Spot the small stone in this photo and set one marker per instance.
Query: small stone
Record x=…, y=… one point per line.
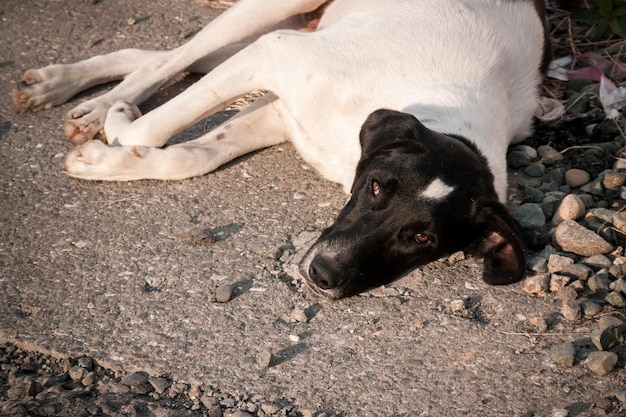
x=138, y=382
x=567, y=293
x=270, y=409
x=571, y=208
x=535, y=195
x=208, y=401
x=518, y=158
x=265, y=358
x=300, y=315
x=618, y=285
x=538, y=264
x=551, y=203
x=537, y=284
x=548, y=155
x=539, y=323
x=457, y=305
x=578, y=271
x=530, y=216
x=598, y=261
x=560, y=412
x=215, y=411
x=591, y=309
x=558, y=282
x=240, y=413
x=619, y=221
x=598, y=283
x=572, y=237
x=89, y=379
x=616, y=272
x=615, y=299
x=85, y=362
x=556, y=263
x=576, y=177
x=159, y=384
x=77, y=373
x=609, y=321
x=563, y=354
x=605, y=339
x=224, y=293
x=571, y=310
x=535, y=170
x=601, y=363
x=614, y=179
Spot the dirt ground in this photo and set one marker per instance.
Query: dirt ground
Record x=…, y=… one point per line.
x=120, y=272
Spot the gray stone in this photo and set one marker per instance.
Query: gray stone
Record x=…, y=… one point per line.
x=615, y=299
x=77, y=373
x=138, y=382
x=300, y=315
x=598, y=283
x=591, y=309
x=551, y=203
x=556, y=262
x=619, y=285
x=159, y=384
x=563, y=354
x=578, y=271
x=530, y=216
x=537, y=264
x=518, y=158
x=605, y=339
x=535, y=195
x=593, y=187
x=224, y=293
x=609, y=321
x=571, y=310
x=572, y=237
x=535, y=170
x=597, y=262
x=85, y=362
x=601, y=363
x=558, y=282
x=265, y=358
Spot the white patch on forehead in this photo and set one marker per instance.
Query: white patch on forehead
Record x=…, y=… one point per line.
x=437, y=190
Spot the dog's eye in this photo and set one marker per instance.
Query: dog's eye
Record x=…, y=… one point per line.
x=375, y=188
x=422, y=238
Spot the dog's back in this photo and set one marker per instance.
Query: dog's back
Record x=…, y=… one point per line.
x=469, y=68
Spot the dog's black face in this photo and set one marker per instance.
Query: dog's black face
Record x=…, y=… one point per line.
x=417, y=195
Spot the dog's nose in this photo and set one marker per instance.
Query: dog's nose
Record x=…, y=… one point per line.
x=324, y=273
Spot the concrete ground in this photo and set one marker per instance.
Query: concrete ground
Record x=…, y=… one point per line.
x=126, y=272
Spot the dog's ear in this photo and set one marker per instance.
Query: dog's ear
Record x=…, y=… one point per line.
x=499, y=243
x=385, y=130
x=384, y=127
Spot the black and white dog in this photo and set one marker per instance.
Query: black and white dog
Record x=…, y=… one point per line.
x=427, y=177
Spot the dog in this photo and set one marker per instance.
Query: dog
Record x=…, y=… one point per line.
x=409, y=104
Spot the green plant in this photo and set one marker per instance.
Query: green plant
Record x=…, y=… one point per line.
x=607, y=14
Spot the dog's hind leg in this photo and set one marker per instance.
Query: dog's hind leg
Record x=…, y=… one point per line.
x=222, y=37
x=258, y=126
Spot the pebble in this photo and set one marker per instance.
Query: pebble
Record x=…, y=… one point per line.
x=614, y=179
x=601, y=363
x=518, y=158
x=265, y=358
x=77, y=373
x=598, y=283
x=558, y=282
x=537, y=284
x=609, y=321
x=619, y=221
x=572, y=237
x=571, y=208
x=571, y=310
x=597, y=262
x=557, y=263
x=551, y=203
x=615, y=299
x=560, y=412
x=548, y=155
x=591, y=309
x=618, y=285
x=579, y=271
x=576, y=177
x=530, y=216
x=563, y=354
x=605, y=339
x=224, y=293
x=539, y=323
x=159, y=384
x=535, y=170
x=138, y=382
x=300, y=315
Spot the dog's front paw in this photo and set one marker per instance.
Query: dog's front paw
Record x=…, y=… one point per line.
x=45, y=87
x=86, y=120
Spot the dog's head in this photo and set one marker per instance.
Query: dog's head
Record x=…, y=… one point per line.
x=417, y=195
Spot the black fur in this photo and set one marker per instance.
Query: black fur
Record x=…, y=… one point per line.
x=373, y=241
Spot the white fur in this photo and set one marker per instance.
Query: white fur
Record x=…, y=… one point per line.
x=437, y=190
x=463, y=67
